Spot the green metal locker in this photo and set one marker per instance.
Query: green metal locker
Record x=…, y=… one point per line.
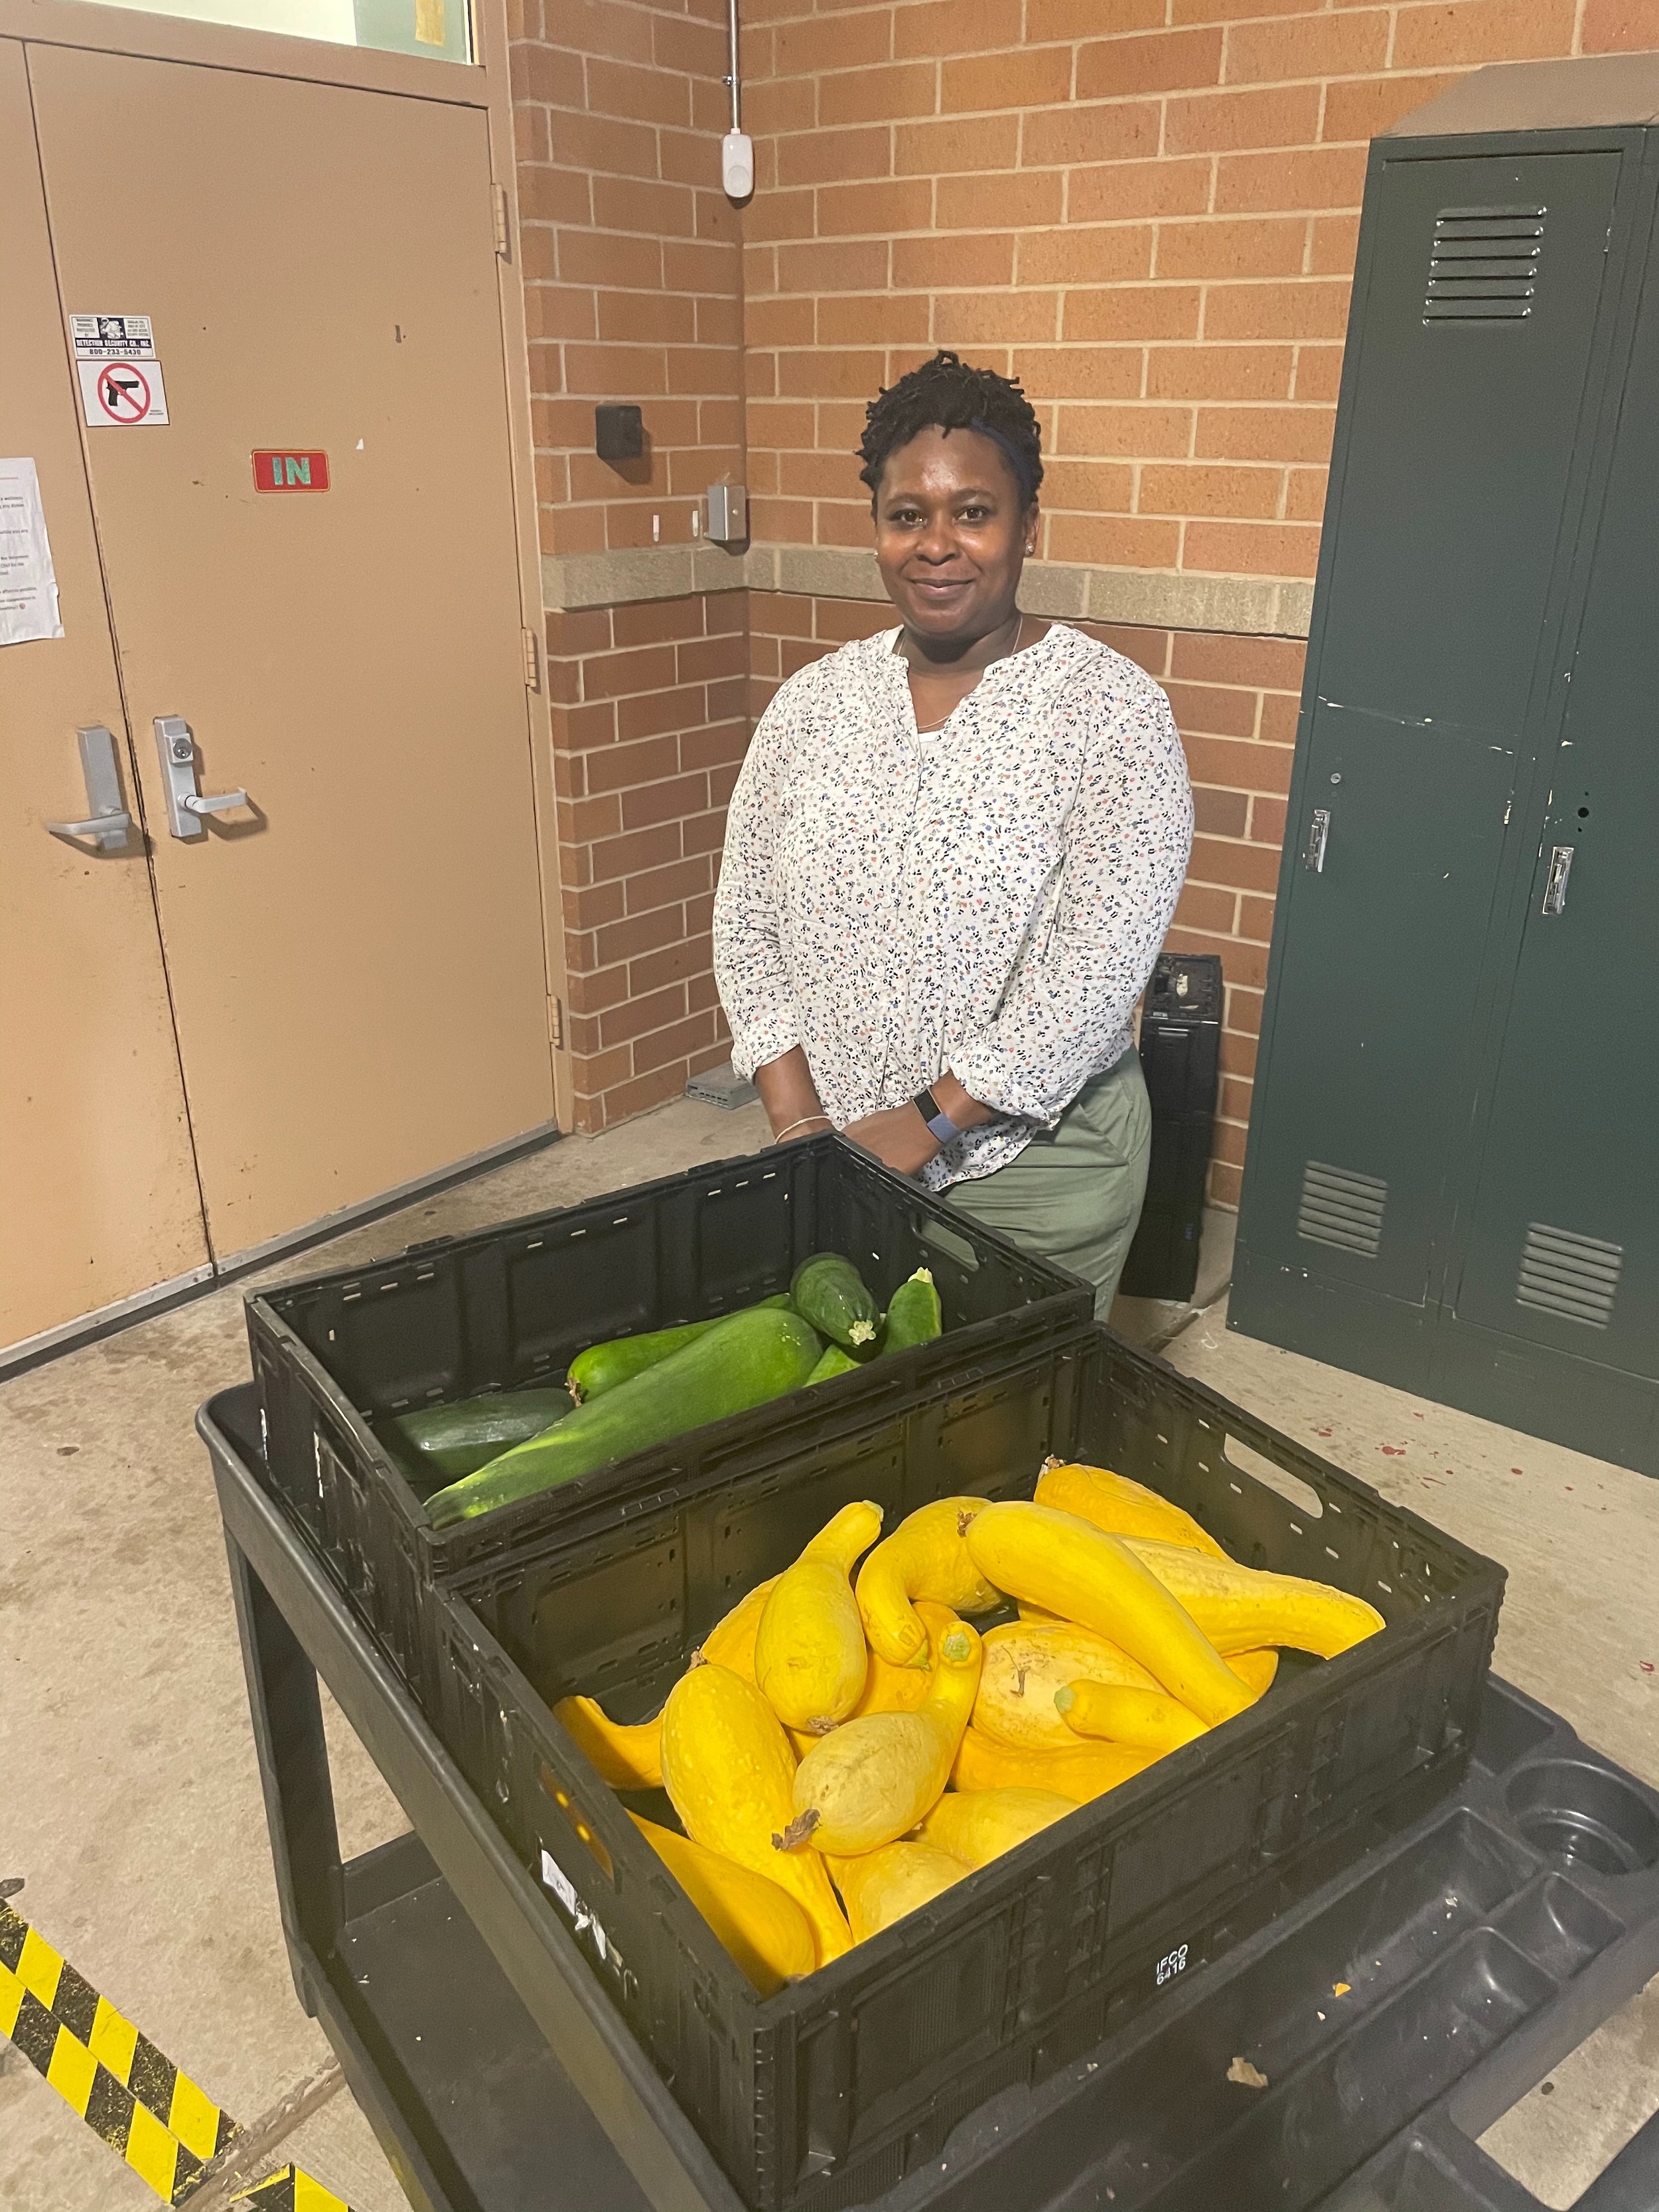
x=1450, y=1183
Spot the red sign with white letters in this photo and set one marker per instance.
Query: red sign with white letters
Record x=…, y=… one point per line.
x=286, y=472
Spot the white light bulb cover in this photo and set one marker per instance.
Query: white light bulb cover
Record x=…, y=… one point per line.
x=737, y=164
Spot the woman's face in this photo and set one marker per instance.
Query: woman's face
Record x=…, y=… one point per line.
x=952, y=534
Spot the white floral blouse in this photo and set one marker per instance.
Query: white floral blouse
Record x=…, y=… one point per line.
x=989, y=899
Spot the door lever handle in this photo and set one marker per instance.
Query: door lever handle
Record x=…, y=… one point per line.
x=1555, y=884
x=176, y=749
x=1319, y=829
x=109, y=822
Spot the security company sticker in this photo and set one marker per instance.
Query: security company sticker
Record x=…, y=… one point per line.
x=113, y=337
x=121, y=394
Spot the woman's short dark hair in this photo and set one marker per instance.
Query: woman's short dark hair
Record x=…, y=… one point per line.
x=946, y=394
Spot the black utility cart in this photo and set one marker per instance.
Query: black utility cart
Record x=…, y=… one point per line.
x=1480, y=1944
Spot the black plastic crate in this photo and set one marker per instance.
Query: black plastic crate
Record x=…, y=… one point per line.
x=511, y=1306
x=828, y=2092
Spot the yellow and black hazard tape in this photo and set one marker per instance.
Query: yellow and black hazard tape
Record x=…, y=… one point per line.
x=125, y=2089
x=291, y=2190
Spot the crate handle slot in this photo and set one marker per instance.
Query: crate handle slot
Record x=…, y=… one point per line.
x=946, y=1240
x=1291, y=1487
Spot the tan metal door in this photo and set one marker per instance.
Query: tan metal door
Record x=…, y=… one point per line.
x=356, y=956
x=97, y=1198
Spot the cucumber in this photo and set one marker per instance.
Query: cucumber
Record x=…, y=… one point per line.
x=914, y=1317
x=750, y=1358
x=602, y=1366
x=830, y=1292
x=834, y=1362
x=448, y=1441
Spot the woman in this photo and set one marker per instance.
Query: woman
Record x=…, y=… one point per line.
x=953, y=854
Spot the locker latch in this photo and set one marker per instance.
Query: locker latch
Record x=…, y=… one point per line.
x=1555, y=886
x=1319, y=829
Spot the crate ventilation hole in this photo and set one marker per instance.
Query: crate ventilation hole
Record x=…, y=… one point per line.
x=1564, y=1273
x=1341, y=1209
x=1482, y=265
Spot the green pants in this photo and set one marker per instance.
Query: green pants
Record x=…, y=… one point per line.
x=1073, y=1196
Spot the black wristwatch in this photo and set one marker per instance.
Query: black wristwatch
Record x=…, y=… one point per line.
x=940, y=1127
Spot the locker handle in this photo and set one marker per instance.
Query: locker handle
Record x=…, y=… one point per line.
x=109, y=822
x=1313, y=856
x=1555, y=886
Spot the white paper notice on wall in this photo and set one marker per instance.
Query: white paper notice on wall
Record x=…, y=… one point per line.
x=28, y=588
x=121, y=395
x=113, y=337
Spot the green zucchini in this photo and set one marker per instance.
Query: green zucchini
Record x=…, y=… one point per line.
x=830, y=1292
x=834, y=1362
x=448, y=1441
x=749, y=1359
x=914, y=1315
x=602, y=1366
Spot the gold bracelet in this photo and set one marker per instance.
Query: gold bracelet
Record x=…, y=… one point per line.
x=801, y=1124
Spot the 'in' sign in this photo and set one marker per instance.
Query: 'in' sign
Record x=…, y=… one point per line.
x=275, y=470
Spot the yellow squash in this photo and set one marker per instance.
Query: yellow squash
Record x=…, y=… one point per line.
x=1069, y=1567
x=810, y=1655
x=760, y=1924
x=730, y=1641
x=1122, y=1508
x=1028, y=1663
x=1238, y=1608
x=926, y=1556
x=627, y=1756
x=730, y=1773
x=1255, y=1669
x=872, y=1779
x=1147, y=1718
x=977, y=1825
x=890, y=1689
x=1089, y=1772
x=882, y=1886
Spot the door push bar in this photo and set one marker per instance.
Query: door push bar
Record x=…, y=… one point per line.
x=186, y=803
x=107, y=822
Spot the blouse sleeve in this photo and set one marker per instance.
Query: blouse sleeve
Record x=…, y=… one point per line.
x=1126, y=843
x=750, y=971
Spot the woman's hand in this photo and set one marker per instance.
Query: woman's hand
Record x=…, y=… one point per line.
x=899, y=1138
x=902, y=1140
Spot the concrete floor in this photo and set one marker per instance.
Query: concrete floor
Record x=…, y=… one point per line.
x=129, y=1788
x=130, y=1801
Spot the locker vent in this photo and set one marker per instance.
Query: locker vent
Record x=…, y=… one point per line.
x=1341, y=1209
x=1483, y=265
x=1568, y=1274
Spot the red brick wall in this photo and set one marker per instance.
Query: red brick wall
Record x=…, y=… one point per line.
x=631, y=260
x=649, y=726
x=1146, y=209
x=1235, y=702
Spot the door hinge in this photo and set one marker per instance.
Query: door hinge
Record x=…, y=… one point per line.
x=555, y=1023
x=498, y=216
x=531, y=663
